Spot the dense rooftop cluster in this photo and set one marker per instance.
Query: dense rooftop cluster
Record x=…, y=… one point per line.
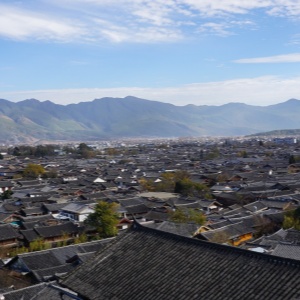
x=243, y=188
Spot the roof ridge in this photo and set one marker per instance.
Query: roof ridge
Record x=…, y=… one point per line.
x=271, y=258
x=67, y=246
x=27, y=287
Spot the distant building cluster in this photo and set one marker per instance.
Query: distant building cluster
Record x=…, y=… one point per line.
x=285, y=140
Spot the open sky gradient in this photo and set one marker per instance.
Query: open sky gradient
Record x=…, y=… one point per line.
x=203, y=52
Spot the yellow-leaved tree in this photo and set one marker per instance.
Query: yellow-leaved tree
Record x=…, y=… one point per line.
x=33, y=171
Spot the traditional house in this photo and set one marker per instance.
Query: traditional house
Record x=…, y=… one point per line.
x=145, y=263
x=49, y=264
x=57, y=233
x=76, y=212
x=6, y=186
x=233, y=234
x=8, y=236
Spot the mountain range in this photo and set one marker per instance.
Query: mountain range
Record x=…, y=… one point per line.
x=106, y=118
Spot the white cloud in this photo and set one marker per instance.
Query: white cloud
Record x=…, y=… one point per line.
x=225, y=28
x=283, y=8
x=22, y=24
x=213, y=8
x=285, y=58
x=132, y=20
x=143, y=25
x=215, y=28
x=256, y=91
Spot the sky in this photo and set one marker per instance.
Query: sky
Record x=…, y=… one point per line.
x=202, y=52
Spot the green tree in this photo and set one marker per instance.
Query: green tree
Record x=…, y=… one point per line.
x=243, y=153
x=196, y=216
x=86, y=151
x=37, y=245
x=43, y=150
x=292, y=219
x=222, y=177
x=187, y=187
x=220, y=237
x=82, y=238
x=213, y=154
x=178, y=216
x=183, y=187
x=292, y=159
x=112, y=151
x=16, y=151
x=6, y=194
x=261, y=143
x=201, y=155
x=167, y=183
x=104, y=219
x=52, y=173
x=33, y=171
x=68, y=149
x=187, y=215
x=147, y=184
x=83, y=146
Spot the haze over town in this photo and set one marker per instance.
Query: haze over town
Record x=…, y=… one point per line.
x=180, y=52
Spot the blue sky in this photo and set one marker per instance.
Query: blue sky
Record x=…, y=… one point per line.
x=203, y=52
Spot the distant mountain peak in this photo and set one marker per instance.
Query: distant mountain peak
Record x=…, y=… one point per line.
x=130, y=116
x=287, y=104
x=29, y=101
x=292, y=100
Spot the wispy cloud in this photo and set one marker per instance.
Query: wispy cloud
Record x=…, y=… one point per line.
x=215, y=28
x=295, y=40
x=140, y=21
x=256, y=91
x=215, y=8
x=20, y=24
x=225, y=28
x=286, y=58
x=283, y=8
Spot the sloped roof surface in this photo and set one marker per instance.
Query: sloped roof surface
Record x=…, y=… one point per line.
x=145, y=263
x=36, y=292
x=7, y=232
x=40, y=260
x=25, y=293
x=57, y=230
x=289, y=251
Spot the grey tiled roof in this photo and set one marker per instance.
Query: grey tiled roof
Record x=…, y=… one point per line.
x=93, y=246
x=184, y=229
x=231, y=231
x=40, y=291
x=288, y=251
x=47, y=273
x=47, y=263
x=40, y=260
x=57, y=230
x=7, y=232
x=53, y=206
x=292, y=235
x=137, y=209
x=25, y=293
x=29, y=234
x=145, y=263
